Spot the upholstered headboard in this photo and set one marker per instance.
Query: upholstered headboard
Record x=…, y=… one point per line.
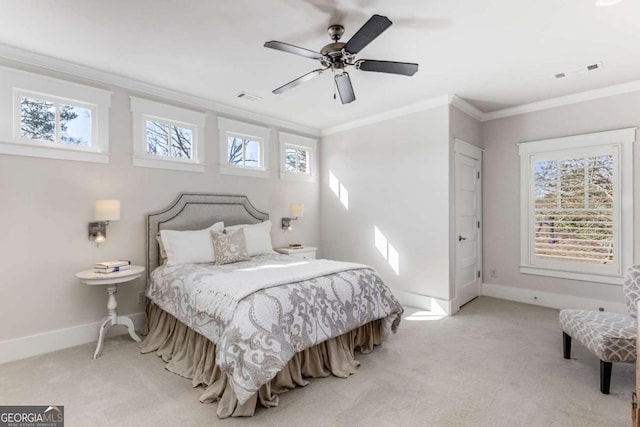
x=195, y=211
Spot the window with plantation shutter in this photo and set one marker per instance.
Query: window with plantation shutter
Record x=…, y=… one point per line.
x=576, y=219
x=574, y=209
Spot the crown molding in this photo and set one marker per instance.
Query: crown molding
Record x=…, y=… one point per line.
x=16, y=56
x=560, y=101
x=466, y=107
x=391, y=114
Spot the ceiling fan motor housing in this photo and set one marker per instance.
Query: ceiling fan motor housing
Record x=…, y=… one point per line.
x=335, y=32
x=336, y=57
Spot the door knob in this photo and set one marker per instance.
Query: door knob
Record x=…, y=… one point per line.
x=460, y=238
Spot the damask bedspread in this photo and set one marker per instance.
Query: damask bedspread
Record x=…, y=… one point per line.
x=269, y=326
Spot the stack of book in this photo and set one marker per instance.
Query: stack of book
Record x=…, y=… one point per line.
x=111, y=266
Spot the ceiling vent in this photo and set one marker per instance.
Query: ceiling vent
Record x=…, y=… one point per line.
x=248, y=97
x=581, y=70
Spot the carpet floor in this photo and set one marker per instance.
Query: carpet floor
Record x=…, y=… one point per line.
x=495, y=363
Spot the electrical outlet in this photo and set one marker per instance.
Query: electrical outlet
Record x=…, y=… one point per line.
x=493, y=272
x=141, y=297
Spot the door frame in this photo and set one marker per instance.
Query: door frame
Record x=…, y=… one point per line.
x=473, y=151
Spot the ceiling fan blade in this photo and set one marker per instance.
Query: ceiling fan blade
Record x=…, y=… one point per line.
x=404, y=68
x=343, y=82
x=285, y=47
x=299, y=81
x=369, y=31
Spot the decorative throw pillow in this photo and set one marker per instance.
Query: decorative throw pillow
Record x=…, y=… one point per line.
x=229, y=247
x=257, y=237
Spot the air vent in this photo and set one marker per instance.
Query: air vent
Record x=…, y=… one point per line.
x=248, y=97
x=581, y=70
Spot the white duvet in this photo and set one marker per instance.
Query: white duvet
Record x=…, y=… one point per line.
x=219, y=295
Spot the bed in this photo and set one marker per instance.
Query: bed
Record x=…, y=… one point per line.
x=284, y=321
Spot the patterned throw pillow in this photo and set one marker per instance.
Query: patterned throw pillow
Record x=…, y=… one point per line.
x=229, y=247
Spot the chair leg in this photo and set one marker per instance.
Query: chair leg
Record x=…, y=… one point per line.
x=566, y=345
x=605, y=376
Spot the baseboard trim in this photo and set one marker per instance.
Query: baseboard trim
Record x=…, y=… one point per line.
x=432, y=304
x=46, y=342
x=548, y=299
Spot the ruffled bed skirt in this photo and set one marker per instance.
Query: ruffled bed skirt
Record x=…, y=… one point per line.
x=192, y=356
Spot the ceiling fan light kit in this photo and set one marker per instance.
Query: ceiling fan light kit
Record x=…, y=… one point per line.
x=339, y=55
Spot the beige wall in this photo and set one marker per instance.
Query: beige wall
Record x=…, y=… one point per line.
x=46, y=204
x=464, y=127
x=396, y=175
x=502, y=186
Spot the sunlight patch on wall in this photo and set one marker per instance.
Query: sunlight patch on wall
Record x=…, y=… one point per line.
x=344, y=197
x=334, y=184
x=393, y=258
x=388, y=252
x=380, y=242
x=339, y=190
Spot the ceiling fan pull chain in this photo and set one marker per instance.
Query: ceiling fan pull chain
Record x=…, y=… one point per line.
x=333, y=71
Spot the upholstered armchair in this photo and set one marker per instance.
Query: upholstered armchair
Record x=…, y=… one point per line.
x=611, y=336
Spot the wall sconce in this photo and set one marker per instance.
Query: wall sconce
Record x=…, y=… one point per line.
x=104, y=211
x=297, y=211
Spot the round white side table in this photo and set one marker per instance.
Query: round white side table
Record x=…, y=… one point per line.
x=89, y=277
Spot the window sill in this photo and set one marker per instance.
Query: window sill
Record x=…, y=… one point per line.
x=301, y=177
x=587, y=277
x=252, y=173
x=168, y=164
x=19, y=149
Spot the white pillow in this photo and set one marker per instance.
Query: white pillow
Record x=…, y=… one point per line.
x=257, y=237
x=190, y=247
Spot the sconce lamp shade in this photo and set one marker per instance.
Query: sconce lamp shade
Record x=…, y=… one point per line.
x=297, y=210
x=107, y=210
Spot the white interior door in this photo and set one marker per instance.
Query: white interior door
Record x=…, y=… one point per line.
x=468, y=211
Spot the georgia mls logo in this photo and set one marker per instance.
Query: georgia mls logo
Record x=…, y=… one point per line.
x=53, y=408
x=32, y=416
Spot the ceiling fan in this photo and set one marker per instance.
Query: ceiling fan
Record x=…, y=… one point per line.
x=338, y=55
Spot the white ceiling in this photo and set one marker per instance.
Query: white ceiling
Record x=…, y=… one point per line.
x=493, y=53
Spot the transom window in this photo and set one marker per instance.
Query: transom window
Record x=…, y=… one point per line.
x=41, y=116
x=297, y=157
x=243, y=151
x=167, y=137
x=575, y=221
x=169, y=140
x=244, y=148
x=48, y=120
